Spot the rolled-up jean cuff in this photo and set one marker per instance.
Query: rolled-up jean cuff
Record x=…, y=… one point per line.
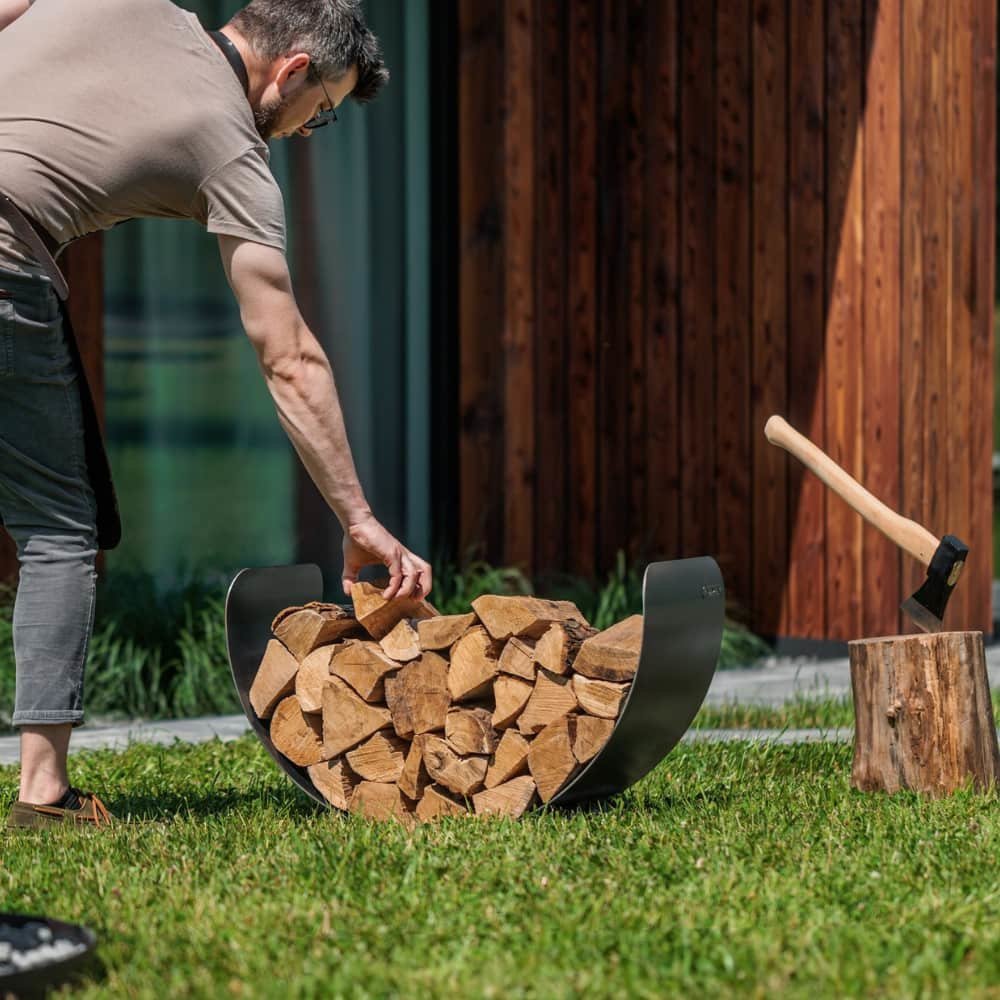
x=46, y=718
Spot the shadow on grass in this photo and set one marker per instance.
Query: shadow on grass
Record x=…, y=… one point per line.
x=166, y=806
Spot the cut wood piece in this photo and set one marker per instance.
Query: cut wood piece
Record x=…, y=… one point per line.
x=378, y=616
x=347, y=720
x=296, y=735
x=304, y=628
x=380, y=758
x=473, y=665
x=402, y=643
x=589, y=734
x=418, y=696
x=470, y=730
x=364, y=666
x=551, y=698
x=377, y=800
x=509, y=759
x=275, y=679
x=509, y=799
x=522, y=616
x=557, y=649
x=518, y=658
x=551, y=759
x=444, y=631
x=612, y=655
x=334, y=780
x=510, y=695
x=414, y=778
x=600, y=698
x=461, y=775
x=923, y=715
x=313, y=676
x=437, y=803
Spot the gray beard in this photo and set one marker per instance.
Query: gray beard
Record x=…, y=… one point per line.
x=266, y=115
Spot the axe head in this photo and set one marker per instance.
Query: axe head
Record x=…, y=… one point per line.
x=926, y=606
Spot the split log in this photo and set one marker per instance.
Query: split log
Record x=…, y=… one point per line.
x=313, y=676
x=402, y=643
x=612, y=655
x=418, y=696
x=923, y=714
x=551, y=759
x=522, y=616
x=461, y=775
x=414, y=778
x=509, y=760
x=347, y=720
x=510, y=695
x=470, y=730
x=509, y=799
x=378, y=616
x=437, y=804
x=334, y=780
x=296, y=735
x=380, y=758
x=589, y=736
x=551, y=698
x=364, y=666
x=557, y=649
x=275, y=679
x=304, y=628
x=376, y=800
x=444, y=631
x=518, y=658
x=473, y=665
x=600, y=698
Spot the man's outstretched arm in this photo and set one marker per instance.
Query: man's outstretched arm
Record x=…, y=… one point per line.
x=301, y=383
x=11, y=10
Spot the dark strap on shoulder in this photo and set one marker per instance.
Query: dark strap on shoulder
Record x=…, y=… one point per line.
x=232, y=53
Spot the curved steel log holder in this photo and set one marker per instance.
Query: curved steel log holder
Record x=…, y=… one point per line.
x=683, y=613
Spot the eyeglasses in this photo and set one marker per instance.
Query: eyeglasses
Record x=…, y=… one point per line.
x=326, y=117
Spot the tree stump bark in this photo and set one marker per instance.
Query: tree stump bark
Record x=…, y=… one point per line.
x=923, y=715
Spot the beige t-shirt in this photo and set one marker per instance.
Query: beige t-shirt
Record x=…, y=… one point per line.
x=120, y=109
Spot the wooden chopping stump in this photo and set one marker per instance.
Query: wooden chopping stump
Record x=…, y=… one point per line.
x=924, y=719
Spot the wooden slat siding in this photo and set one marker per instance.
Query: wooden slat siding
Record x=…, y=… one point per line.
x=962, y=449
x=984, y=222
x=807, y=308
x=846, y=66
x=83, y=266
x=583, y=282
x=935, y=255
x=734, y=515
x=662, y=270
x=481, y=259
x=551, y=401
x=880, y=383
x=519, y=270
x=912, y=305
x=770, y=313
x=697, y=387
x=613, y=282
x=635, y=536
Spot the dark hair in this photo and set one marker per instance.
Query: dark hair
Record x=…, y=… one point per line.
x=332, y=33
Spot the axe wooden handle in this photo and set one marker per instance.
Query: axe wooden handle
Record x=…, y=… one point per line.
x=907, y=534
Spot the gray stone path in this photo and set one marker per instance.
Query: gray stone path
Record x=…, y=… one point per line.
x=778, y=682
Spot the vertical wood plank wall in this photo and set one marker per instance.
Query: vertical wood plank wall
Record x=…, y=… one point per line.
x=679, y=217
x=83, y=266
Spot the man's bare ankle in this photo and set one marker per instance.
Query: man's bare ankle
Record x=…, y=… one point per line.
x=42, y=793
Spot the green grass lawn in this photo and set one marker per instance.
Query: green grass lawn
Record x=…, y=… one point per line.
x=734, y=870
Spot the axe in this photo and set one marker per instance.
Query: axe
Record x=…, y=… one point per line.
x=944, y=559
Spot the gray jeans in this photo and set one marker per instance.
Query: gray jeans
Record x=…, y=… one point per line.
x=46, y=503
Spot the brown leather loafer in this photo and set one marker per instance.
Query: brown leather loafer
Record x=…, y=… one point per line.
x=92, y=812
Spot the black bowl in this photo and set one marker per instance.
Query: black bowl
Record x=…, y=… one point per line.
x=34, y=982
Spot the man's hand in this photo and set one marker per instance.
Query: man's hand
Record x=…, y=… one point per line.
x=367, y=542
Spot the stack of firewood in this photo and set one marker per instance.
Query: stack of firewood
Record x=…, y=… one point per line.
x=398, y=712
